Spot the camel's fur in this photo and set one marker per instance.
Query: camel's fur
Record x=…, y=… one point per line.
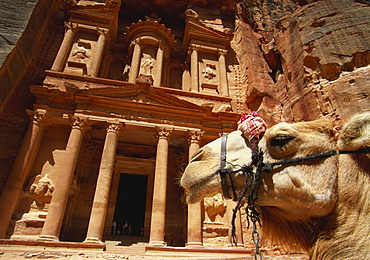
x=322, y=206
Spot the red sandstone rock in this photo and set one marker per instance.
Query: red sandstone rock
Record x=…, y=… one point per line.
x=317, y=43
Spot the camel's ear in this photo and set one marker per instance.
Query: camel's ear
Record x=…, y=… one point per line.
x=336, y=126
x=355, y=134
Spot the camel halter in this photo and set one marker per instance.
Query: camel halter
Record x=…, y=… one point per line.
x=251, y=184
x=252, y=179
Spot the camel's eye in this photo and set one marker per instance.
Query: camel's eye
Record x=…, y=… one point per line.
x=281, y=140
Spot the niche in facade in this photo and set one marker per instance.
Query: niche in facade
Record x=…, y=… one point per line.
x=149, y=45
x=82, y=50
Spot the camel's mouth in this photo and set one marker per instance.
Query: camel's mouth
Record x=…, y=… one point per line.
x=200, y=188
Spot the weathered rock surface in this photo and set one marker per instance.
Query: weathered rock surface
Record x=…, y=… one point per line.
x=318, y=44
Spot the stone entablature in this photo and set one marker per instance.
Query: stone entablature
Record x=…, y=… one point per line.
x=124, y=90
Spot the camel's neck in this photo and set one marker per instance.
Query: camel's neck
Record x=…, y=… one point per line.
x=344, y=239
x=347, y=228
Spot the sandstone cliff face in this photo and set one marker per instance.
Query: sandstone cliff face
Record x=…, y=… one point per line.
x=323, y=48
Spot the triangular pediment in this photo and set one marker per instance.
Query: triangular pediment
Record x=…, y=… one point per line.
x=143, y=95
x=197, y=31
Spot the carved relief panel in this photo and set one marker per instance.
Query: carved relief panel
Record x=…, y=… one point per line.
x=208, y=73
x=81, y=54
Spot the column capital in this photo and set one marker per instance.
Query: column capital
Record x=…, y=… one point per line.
x=195, y=136
x=163, y=132
x=221, y=52
x=70, y=25
x=114, y=127
x=160, y=45
x=184, y=66
x=80, y=123
x=193, y=47
x=39, y=117
x=136, y=41
x=102, y=30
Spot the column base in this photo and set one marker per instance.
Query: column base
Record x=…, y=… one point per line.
x=48, y=238
x=194, y=244
x=92, y=240
x=157, y=243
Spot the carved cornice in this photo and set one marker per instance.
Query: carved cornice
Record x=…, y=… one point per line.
x=98, y=14
x=197, y=32
x=151, y=29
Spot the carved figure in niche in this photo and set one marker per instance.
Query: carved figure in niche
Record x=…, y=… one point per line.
x=80, y=51
x=41, y=189
x=209, y=71
x=147, y=66
x=214, y=206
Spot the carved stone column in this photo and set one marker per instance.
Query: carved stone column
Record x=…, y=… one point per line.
x=65, y=47
x=98, y=53
x=135, y=62
x=194, y=71
x=186, y=77
x=195, y=221
x=54, y=219
x=157, y=226
x=101, y=197
x=158, y=66
x=21, y=168
x=224, y=88
x=238, y=224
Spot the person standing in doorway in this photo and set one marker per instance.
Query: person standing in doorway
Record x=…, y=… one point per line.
x=114, y=227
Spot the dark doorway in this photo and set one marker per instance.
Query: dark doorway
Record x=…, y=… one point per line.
x=130, y=204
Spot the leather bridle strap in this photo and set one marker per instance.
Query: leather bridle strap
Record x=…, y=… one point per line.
x=224, y=171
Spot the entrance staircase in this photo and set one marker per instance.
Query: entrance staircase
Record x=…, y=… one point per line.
x=128, y=245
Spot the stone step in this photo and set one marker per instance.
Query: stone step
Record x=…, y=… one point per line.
x=128, y=245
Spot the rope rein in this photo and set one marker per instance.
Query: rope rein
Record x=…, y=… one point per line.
x=268, y=167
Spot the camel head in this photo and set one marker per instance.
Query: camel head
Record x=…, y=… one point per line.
x=299, y=190
x=297, y=197
x=286, y=188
